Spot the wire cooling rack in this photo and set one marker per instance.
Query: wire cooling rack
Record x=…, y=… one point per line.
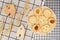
x=53, y=4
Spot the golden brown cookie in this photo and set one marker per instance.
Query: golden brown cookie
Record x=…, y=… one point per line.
x=1, y=27
x=45, y=29
x=47, y=12
x=32, y=19
x=2, y=24
x=52, y=21
x=9, y=9
x=26, y=10
x=18, y=16
x=17, y=19
x=42, y=20
x=7, y=30
x=38, y=11
x=35, y=28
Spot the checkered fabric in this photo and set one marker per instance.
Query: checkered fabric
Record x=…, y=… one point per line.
x=53, y=35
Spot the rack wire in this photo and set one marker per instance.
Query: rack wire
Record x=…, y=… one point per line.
x=53, y=4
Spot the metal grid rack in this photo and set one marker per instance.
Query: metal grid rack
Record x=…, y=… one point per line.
x=53, y=4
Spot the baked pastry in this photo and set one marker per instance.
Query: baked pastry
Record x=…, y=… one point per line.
x=36, y=28
x=21, y=31
x=9, y=9
x=44, y=20
x=45, y=29
x=32, y=19
x=52, y=21
x=38, y=11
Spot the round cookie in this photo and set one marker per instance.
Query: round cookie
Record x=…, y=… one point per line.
x=42, y=20
x=47, y=12
x=38, y=11
x=35, y=28
x=32, y=19
x=45, y=29
x=9, y=9
x=52, y=21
